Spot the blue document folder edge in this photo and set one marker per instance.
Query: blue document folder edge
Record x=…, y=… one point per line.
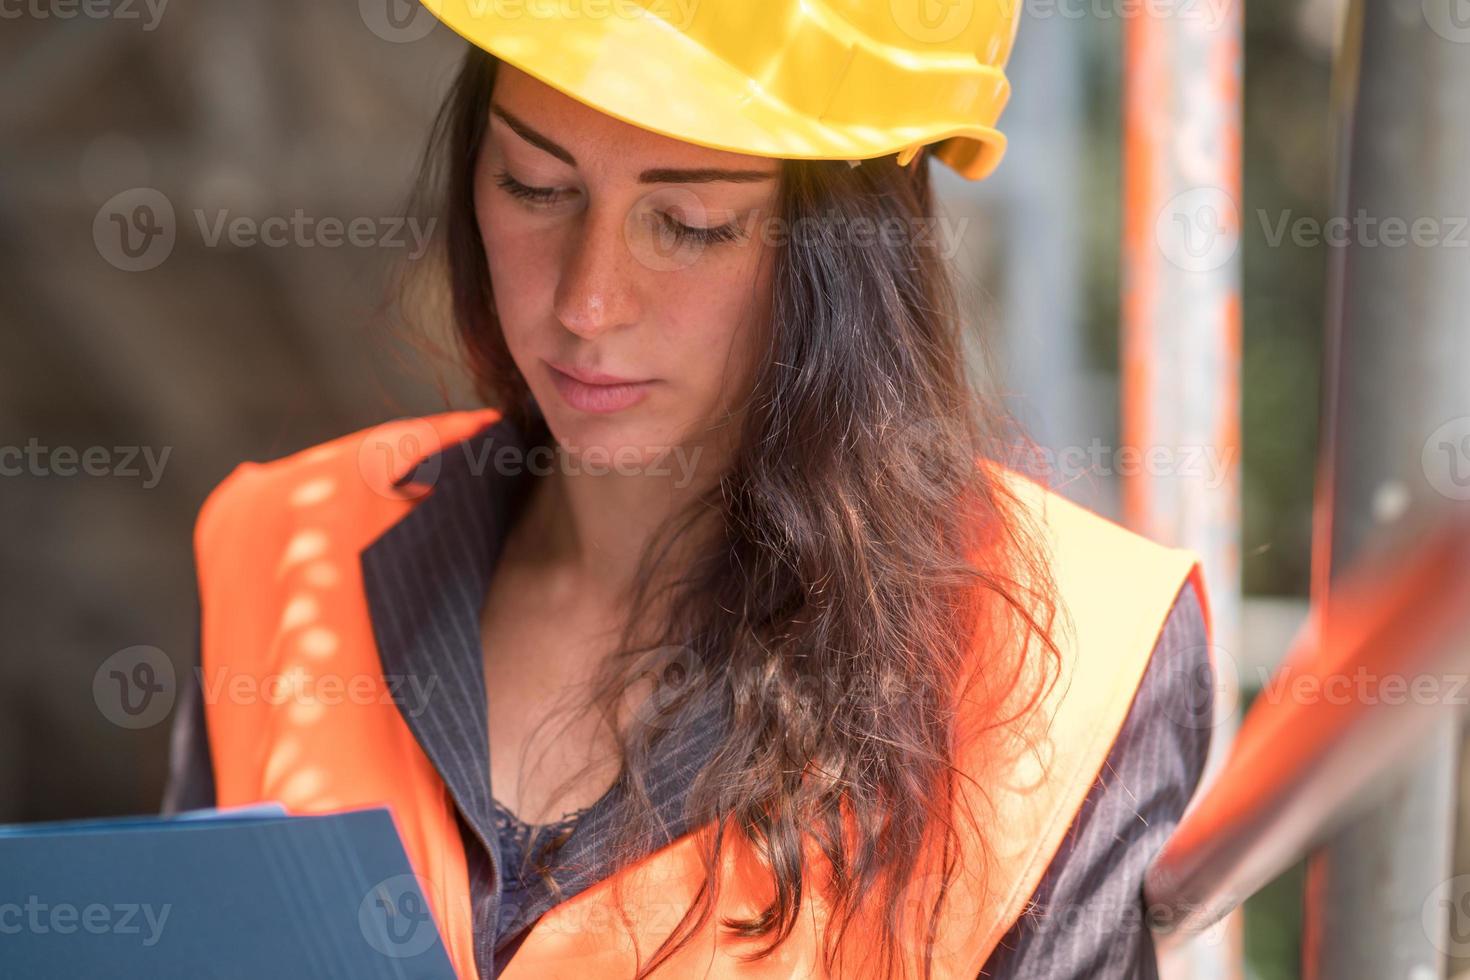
x=215, y=894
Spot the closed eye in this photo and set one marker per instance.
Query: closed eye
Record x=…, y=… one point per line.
x=547, y=195
x=525, y=192
x=703, y=236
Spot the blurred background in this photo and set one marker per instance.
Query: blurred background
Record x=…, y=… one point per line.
x=167, y=371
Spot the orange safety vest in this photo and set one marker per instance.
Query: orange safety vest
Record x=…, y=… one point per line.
x=281, y=593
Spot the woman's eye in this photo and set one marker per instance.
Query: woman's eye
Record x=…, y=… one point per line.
x=702, y=236
x=682, y=232
x=533, y=195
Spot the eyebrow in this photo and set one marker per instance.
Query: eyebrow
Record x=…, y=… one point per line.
x=658, y=175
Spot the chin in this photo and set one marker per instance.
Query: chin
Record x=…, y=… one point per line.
x=623, y=442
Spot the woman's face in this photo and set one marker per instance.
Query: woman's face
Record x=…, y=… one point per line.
x=629, y=258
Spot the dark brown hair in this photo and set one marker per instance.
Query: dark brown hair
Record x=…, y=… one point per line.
x=866, y=573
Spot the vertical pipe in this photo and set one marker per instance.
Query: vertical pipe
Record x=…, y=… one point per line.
x=1044, y=211
x=1181, y=323
x=1399, y=352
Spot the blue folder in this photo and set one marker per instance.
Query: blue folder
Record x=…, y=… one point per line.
x=215, y=894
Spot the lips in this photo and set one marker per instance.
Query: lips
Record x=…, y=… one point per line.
x=596, y=391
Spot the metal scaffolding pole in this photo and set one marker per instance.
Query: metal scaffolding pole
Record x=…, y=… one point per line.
x=1181, y=326
x=1041, y=196
x=1396, y=401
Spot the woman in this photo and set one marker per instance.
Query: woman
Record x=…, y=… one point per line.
x=776, y=678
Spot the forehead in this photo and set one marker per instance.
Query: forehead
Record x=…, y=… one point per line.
x=595, y=138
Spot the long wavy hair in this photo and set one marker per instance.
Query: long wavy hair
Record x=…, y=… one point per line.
x=868, y=573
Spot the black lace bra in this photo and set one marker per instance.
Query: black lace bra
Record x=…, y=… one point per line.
x=524, y=849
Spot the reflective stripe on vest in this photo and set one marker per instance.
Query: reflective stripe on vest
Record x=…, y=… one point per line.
x=281, y=592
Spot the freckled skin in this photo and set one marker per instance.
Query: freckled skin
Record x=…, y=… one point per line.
x=591, y=269
x=596, y=276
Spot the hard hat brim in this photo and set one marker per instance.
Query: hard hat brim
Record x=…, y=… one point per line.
x=642, y=71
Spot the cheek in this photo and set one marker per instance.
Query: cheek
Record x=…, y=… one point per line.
x=523, y=281
x=717, y=316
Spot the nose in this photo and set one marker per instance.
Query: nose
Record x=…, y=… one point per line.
x=595, y=293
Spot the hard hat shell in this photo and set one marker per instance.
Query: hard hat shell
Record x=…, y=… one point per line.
x=791, y=79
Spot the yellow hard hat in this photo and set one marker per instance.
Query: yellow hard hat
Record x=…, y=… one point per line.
x=793, y=79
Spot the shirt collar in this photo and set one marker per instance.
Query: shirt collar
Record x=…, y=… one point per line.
x=425, y=580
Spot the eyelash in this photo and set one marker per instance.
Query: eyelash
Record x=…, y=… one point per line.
x=545, y=195
x=536, y=195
